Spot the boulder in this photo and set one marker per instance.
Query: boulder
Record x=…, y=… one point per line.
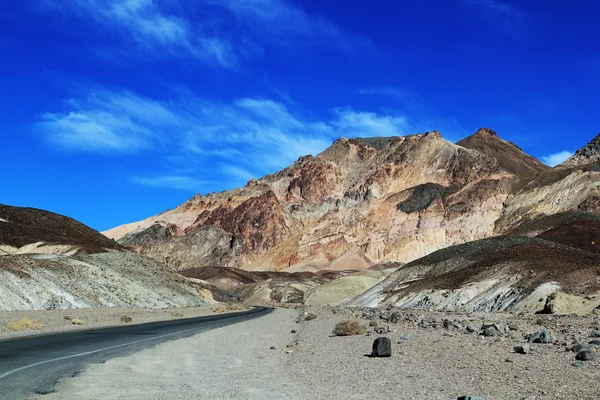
x=382, y=347
x=541, y=336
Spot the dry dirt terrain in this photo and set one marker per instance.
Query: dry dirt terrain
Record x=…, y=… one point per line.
x=433, y=357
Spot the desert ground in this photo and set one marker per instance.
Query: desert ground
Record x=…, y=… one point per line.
x=289, y=355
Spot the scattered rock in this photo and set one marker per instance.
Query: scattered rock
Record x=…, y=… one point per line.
x=522, y=349
x=541, y=336
x=382, y=331
x=580, y=364
x=372, y=323
x=293, y=331
x=490, y=330
x=382, y=347
x=586, y=354
x=310, y=316
x=508, y=360
x=406, y=337
x=594, y=342
x=77, y=321
x=513, y=327
x=595, y=334
x=126, y=319
x=471, y=329
x=471, y=398
x=272, y=348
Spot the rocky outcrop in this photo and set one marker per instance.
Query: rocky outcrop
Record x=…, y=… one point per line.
x=590, y=153
x=358, y=203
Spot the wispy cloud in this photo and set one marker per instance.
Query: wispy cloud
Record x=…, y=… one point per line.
x=499, y=15
x=221, y=33
x=556, y=158
x=195, y=137
x=146, y=30
x=283, y=23
x=173, y=182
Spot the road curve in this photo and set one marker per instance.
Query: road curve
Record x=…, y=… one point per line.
x=32, y=365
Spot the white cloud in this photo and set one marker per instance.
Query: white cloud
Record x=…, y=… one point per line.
x=192, y=137
x=556, y=158
x=220, y=33
x=282, y=23
x=147, y=30
x=173, y=182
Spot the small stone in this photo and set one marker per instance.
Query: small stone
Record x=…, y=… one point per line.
x=77, y=321
x=508, y=360
x=522, y=348
x=580, y=364
x=293, y=331
x=595, y=342
x=372, y=323
x=382, y=347
x=406, y=337
x=490, y=330
x=471, y=329
x=513, y=327
x=288, y=352
x=382, y=330
x=586, y=355
x=471, y=398
x=272, y=348
x=595, y=334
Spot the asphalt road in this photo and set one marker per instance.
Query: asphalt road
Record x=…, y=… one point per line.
x=33, y=365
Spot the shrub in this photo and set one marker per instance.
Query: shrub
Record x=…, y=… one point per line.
x=349, y=328
x=24, y=323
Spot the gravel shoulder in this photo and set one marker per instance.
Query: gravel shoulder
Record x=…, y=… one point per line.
x=237, y=362
x=53, y=321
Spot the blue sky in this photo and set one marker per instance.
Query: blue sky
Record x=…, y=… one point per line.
x=115, y=110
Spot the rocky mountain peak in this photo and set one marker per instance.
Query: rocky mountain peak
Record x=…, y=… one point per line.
x=486, y=132
x=588, y=154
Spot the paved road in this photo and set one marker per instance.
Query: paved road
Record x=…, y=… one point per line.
x=33, y=365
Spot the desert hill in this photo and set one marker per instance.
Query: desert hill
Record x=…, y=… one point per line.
x=49, y=261
x=30, y=230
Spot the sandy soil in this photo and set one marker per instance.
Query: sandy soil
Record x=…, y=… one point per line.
x=427, y=363
x=62, y=320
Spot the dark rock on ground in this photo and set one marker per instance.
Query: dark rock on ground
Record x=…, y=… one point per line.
x=522, y=349
x=541, y=336
x=382, y=347
x=586, y=355
x=490, y=330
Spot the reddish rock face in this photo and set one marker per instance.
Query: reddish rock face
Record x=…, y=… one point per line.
x=257, y=224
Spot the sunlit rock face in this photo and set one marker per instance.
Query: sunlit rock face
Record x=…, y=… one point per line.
x=360, y=202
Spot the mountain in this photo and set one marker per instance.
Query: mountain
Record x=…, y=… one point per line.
x=588, y=154
x=360, y=202
x=49, y=261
